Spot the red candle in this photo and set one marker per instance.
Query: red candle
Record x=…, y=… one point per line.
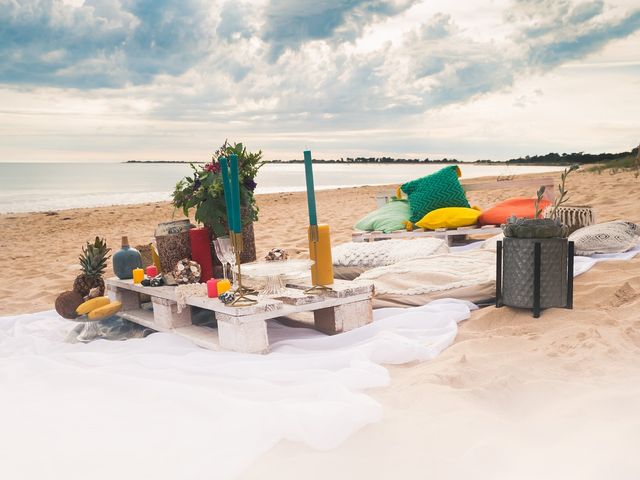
x=152, y=271
x=212, y=288
x=201, y=251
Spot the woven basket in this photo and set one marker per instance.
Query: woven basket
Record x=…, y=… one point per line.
x=518, y=267
x=145, y=254
x=172, y=249
x=573, y=216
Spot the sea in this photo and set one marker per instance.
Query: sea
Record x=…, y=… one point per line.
x=37, y=187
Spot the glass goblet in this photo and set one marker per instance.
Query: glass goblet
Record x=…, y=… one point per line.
x=221, y=254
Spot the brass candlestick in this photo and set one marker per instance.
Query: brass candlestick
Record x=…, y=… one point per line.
x=316, y=289
x=241, y=299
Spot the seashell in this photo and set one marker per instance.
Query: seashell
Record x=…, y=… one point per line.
x=187, y=271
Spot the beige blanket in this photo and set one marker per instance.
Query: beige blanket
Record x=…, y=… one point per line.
x=467, y=275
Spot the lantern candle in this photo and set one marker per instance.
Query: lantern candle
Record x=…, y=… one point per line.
x=212, y=288
x=223, y=286
x=138, y=275
x=200, y=241
x=319, y=235
x=152, y=271
x=320, y=253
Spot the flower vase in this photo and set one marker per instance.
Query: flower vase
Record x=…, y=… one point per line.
x=126, y=260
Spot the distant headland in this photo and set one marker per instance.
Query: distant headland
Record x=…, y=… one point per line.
x=554, y=159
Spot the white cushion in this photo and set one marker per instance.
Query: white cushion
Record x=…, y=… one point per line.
x=609, y=237
x=385, y=252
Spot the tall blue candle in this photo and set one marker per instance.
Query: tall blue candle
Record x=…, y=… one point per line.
x=226, y=185
x=311, y=195
x=235, y=196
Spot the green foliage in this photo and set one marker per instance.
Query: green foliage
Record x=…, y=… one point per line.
x=203, y=191
x=539, y=195
x=562, y=198
x=618, y=165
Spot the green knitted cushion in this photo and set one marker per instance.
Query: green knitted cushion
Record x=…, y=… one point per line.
x=438, y=190
x=388, y=218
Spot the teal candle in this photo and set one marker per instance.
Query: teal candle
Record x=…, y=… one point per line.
x=311, y=194
x=226, y=185
x=235, y=198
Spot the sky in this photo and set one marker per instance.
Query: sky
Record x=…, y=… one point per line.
x=115, y=80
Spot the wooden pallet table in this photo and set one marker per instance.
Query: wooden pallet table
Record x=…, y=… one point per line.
x=243, y=329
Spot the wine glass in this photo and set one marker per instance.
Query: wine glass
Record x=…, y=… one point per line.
x=227, y=252
x=221, y=254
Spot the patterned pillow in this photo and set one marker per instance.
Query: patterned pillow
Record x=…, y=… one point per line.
x=438, y=190
x=608, y=237
x=375, y=254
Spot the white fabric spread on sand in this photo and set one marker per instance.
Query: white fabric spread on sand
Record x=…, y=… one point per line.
x=161, y=408
x=376, y=254
x=581, y=264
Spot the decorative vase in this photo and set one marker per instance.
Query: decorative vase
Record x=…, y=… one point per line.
x=172, y=239
x=534, y=266
x=248, y=243
x=126, y=260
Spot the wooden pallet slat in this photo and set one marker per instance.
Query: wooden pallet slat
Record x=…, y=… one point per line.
x=243, y=329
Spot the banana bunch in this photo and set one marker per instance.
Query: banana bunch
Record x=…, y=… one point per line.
x=98, y=308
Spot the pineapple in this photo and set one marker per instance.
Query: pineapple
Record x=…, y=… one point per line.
x=93, y=262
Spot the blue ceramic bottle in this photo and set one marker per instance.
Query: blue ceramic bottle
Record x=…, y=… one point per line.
x=125, y=260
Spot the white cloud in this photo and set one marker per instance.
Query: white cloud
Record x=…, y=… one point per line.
x=466, y=79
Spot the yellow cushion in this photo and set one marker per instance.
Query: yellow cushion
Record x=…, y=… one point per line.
x=450, y=217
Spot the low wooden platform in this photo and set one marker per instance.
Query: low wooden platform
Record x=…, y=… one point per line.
x=243, y=329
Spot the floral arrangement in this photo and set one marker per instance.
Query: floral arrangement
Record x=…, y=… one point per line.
x=204, y=191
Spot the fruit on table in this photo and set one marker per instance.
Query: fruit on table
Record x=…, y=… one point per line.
x=93, y=262
x=67, y=303
x=92, y=304
x=105, y=311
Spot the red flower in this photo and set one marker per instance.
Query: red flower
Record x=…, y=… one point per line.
x=213, y=167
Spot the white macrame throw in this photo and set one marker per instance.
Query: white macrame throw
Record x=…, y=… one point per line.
x=609, y=237
x=387, y=252
x=574, y=217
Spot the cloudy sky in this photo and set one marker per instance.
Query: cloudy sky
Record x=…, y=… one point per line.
x=111, y=80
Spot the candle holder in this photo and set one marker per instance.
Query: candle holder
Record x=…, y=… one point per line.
x=316, y=289
x=241, y=294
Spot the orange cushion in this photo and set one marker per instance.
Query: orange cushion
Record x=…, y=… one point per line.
x=521, y=207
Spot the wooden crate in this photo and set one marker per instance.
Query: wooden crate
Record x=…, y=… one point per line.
x=243, y=329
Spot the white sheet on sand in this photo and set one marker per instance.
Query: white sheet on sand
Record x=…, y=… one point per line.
x=581, y=264
x=160, y=407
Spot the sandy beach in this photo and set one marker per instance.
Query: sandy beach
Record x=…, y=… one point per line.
x=40, y=250
x=539, y=386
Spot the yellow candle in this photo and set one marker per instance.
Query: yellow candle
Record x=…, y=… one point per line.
x=138, y=275
x=223, y=286
x=155, y=257
x=320, y=253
